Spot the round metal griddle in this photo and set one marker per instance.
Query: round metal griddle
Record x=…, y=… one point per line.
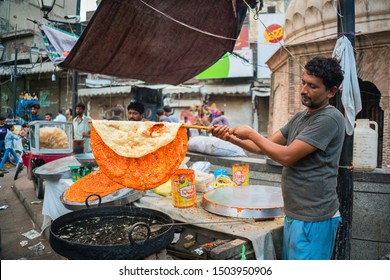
x=258, y=202
x=57, y=169
x=118, y=198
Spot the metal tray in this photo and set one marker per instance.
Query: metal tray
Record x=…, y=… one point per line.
x=57, y=169
x=120, y=197
x=256, y=201
x=86, y=159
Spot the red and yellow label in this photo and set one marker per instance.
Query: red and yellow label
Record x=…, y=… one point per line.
x=240, y=174
x=183, y=188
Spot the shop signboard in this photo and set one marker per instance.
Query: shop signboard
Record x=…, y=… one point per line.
x=269, y=40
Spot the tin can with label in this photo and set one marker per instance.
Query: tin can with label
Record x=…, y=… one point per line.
x=240, y=174
x=183, y=188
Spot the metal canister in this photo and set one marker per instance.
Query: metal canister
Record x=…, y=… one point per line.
x=183, y=188
x=240, y=174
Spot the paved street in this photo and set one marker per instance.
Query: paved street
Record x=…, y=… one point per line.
x=15, y=220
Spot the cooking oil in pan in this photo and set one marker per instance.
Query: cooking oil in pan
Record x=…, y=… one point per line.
x=183, y=188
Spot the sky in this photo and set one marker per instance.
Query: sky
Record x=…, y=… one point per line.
x=85, y=6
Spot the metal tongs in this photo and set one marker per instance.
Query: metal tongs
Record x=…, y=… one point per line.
x=157, y=227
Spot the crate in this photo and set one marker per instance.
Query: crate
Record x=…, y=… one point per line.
x=48, y=137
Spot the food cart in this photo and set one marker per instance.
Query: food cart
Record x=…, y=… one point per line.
x=49, y=141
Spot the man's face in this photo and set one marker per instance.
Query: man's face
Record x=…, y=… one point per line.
x=314, y=95
x=134, y=115
x=34, y=111
x=79, y=111
x=48, y=118
x=2, y=122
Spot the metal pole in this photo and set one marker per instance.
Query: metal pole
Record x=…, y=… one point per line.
x=346, y=25
x=14, y=80
x=75, y=74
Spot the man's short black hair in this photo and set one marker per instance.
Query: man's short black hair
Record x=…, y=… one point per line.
x=137, y=106
x=328, y=69
x=167, y=109
x=160, y=112
x=80, y=105
x=36, y=106
x=2, y=118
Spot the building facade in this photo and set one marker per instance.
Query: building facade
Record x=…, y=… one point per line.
x=311, y=30
x=19, y=34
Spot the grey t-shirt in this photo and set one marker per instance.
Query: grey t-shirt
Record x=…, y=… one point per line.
x=309, y=185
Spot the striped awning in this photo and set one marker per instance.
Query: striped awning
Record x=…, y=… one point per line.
x=26, y=69
x=104, y=91
x=215, y=89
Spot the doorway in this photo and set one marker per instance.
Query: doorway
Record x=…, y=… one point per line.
x=371, y=110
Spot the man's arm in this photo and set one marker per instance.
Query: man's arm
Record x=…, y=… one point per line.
x=285, y=155
x=274, y=147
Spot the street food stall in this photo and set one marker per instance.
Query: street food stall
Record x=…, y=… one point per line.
x=48, y=141
x=225, y=223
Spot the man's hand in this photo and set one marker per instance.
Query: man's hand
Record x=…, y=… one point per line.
x=221, y=131
x=242, y=132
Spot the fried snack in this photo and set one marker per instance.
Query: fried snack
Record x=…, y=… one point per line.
x=146, y=172
x=135, y=139
x=53, y=138
x=93, y=183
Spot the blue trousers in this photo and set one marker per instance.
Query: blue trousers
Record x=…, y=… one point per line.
x=309, y=240
x=6, y=156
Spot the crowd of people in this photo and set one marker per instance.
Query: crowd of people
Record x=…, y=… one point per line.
x=81, y=126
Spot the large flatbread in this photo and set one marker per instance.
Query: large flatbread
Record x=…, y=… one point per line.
x=134, y=139
x=149, y=171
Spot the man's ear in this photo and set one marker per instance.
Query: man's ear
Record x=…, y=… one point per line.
x=332, y=92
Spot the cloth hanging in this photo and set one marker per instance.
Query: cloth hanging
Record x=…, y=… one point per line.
x=58, y=42
x=350, y=97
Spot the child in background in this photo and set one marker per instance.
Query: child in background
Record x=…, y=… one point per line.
x=9, y=146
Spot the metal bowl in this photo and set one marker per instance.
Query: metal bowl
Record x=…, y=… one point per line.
x=86, y=159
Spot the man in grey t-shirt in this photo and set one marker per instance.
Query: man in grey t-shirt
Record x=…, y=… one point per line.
x=309, y=148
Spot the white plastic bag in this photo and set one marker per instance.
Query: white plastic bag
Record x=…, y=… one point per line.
x=203, y=166
x=214, y=146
